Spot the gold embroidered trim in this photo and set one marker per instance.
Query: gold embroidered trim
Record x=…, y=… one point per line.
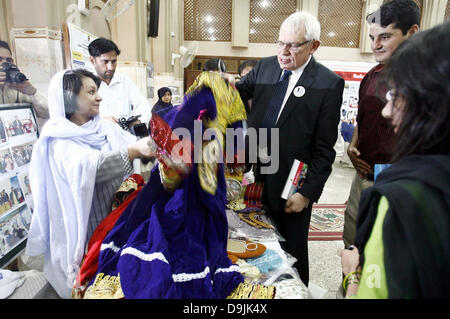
x=249, y=291
x=127, y=187
x=105, y=287
x=207, y=169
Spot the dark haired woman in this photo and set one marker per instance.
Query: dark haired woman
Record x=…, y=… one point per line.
x=164, y=100
x=77, y=165
x=403, y=222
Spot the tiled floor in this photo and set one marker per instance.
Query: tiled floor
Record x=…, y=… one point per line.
x=324, y=263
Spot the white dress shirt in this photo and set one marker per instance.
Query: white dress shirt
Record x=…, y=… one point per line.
x=293, y=79
x=122, y=98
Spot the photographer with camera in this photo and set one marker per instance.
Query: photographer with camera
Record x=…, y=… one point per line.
x=122, y=103
x=16, y=88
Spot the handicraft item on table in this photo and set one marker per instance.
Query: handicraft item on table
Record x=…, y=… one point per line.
x=267, y=262
x=253, y=291
x=234, y=189
x=291, y=289
x=251, y=273
x=253, y=195
x=255, y=219
x=244, y=248
x=239, y=227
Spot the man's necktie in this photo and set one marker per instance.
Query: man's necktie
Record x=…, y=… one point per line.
x=271, y=115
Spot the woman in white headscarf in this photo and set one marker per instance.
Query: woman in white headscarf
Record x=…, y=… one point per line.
x=78, y=163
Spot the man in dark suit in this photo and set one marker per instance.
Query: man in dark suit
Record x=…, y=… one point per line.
x=306, y=121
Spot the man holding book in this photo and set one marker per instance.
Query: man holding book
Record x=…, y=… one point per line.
x=296, y=100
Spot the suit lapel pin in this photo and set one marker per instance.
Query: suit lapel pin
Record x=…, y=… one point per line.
x=299, y=91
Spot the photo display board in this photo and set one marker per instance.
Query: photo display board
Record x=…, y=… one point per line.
x=18, y=133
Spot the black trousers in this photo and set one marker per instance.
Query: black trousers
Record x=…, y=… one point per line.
x=294, y=228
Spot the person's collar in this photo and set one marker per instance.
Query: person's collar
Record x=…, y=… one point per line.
x=379, y=67
x=302, y=68
x=114, y=80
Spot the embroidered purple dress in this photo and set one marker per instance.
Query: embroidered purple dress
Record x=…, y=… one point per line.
x=172, y=243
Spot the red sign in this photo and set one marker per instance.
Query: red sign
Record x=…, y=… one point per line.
x=351, y=76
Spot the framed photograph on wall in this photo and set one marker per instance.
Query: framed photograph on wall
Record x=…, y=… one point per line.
x=18, y=133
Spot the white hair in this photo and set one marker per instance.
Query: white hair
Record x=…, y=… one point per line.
x=302, y=22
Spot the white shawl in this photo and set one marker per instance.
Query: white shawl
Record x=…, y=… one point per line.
x=62, y=176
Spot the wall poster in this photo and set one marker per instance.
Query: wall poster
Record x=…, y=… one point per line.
x=76, y=43
x=352, y=73
x=18, y=133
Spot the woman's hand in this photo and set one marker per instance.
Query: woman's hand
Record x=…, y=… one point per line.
x=349, y=259
x=142, y=148
x=350, y=264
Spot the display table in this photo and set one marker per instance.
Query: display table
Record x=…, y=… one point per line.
x=253, y=245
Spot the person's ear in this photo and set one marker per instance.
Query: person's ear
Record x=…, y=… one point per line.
x=315, y=45
x=414, y=29
x=92, y=59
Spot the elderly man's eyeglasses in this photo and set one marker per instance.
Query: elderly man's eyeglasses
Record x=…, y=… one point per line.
x=3, y=59
x=291, y=46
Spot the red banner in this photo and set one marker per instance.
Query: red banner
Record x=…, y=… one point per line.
x=351, y=76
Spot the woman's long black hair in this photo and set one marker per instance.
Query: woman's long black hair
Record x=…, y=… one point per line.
x=419, y=71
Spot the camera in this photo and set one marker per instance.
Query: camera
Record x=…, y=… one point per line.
x=13, y=75
x=140, y=130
